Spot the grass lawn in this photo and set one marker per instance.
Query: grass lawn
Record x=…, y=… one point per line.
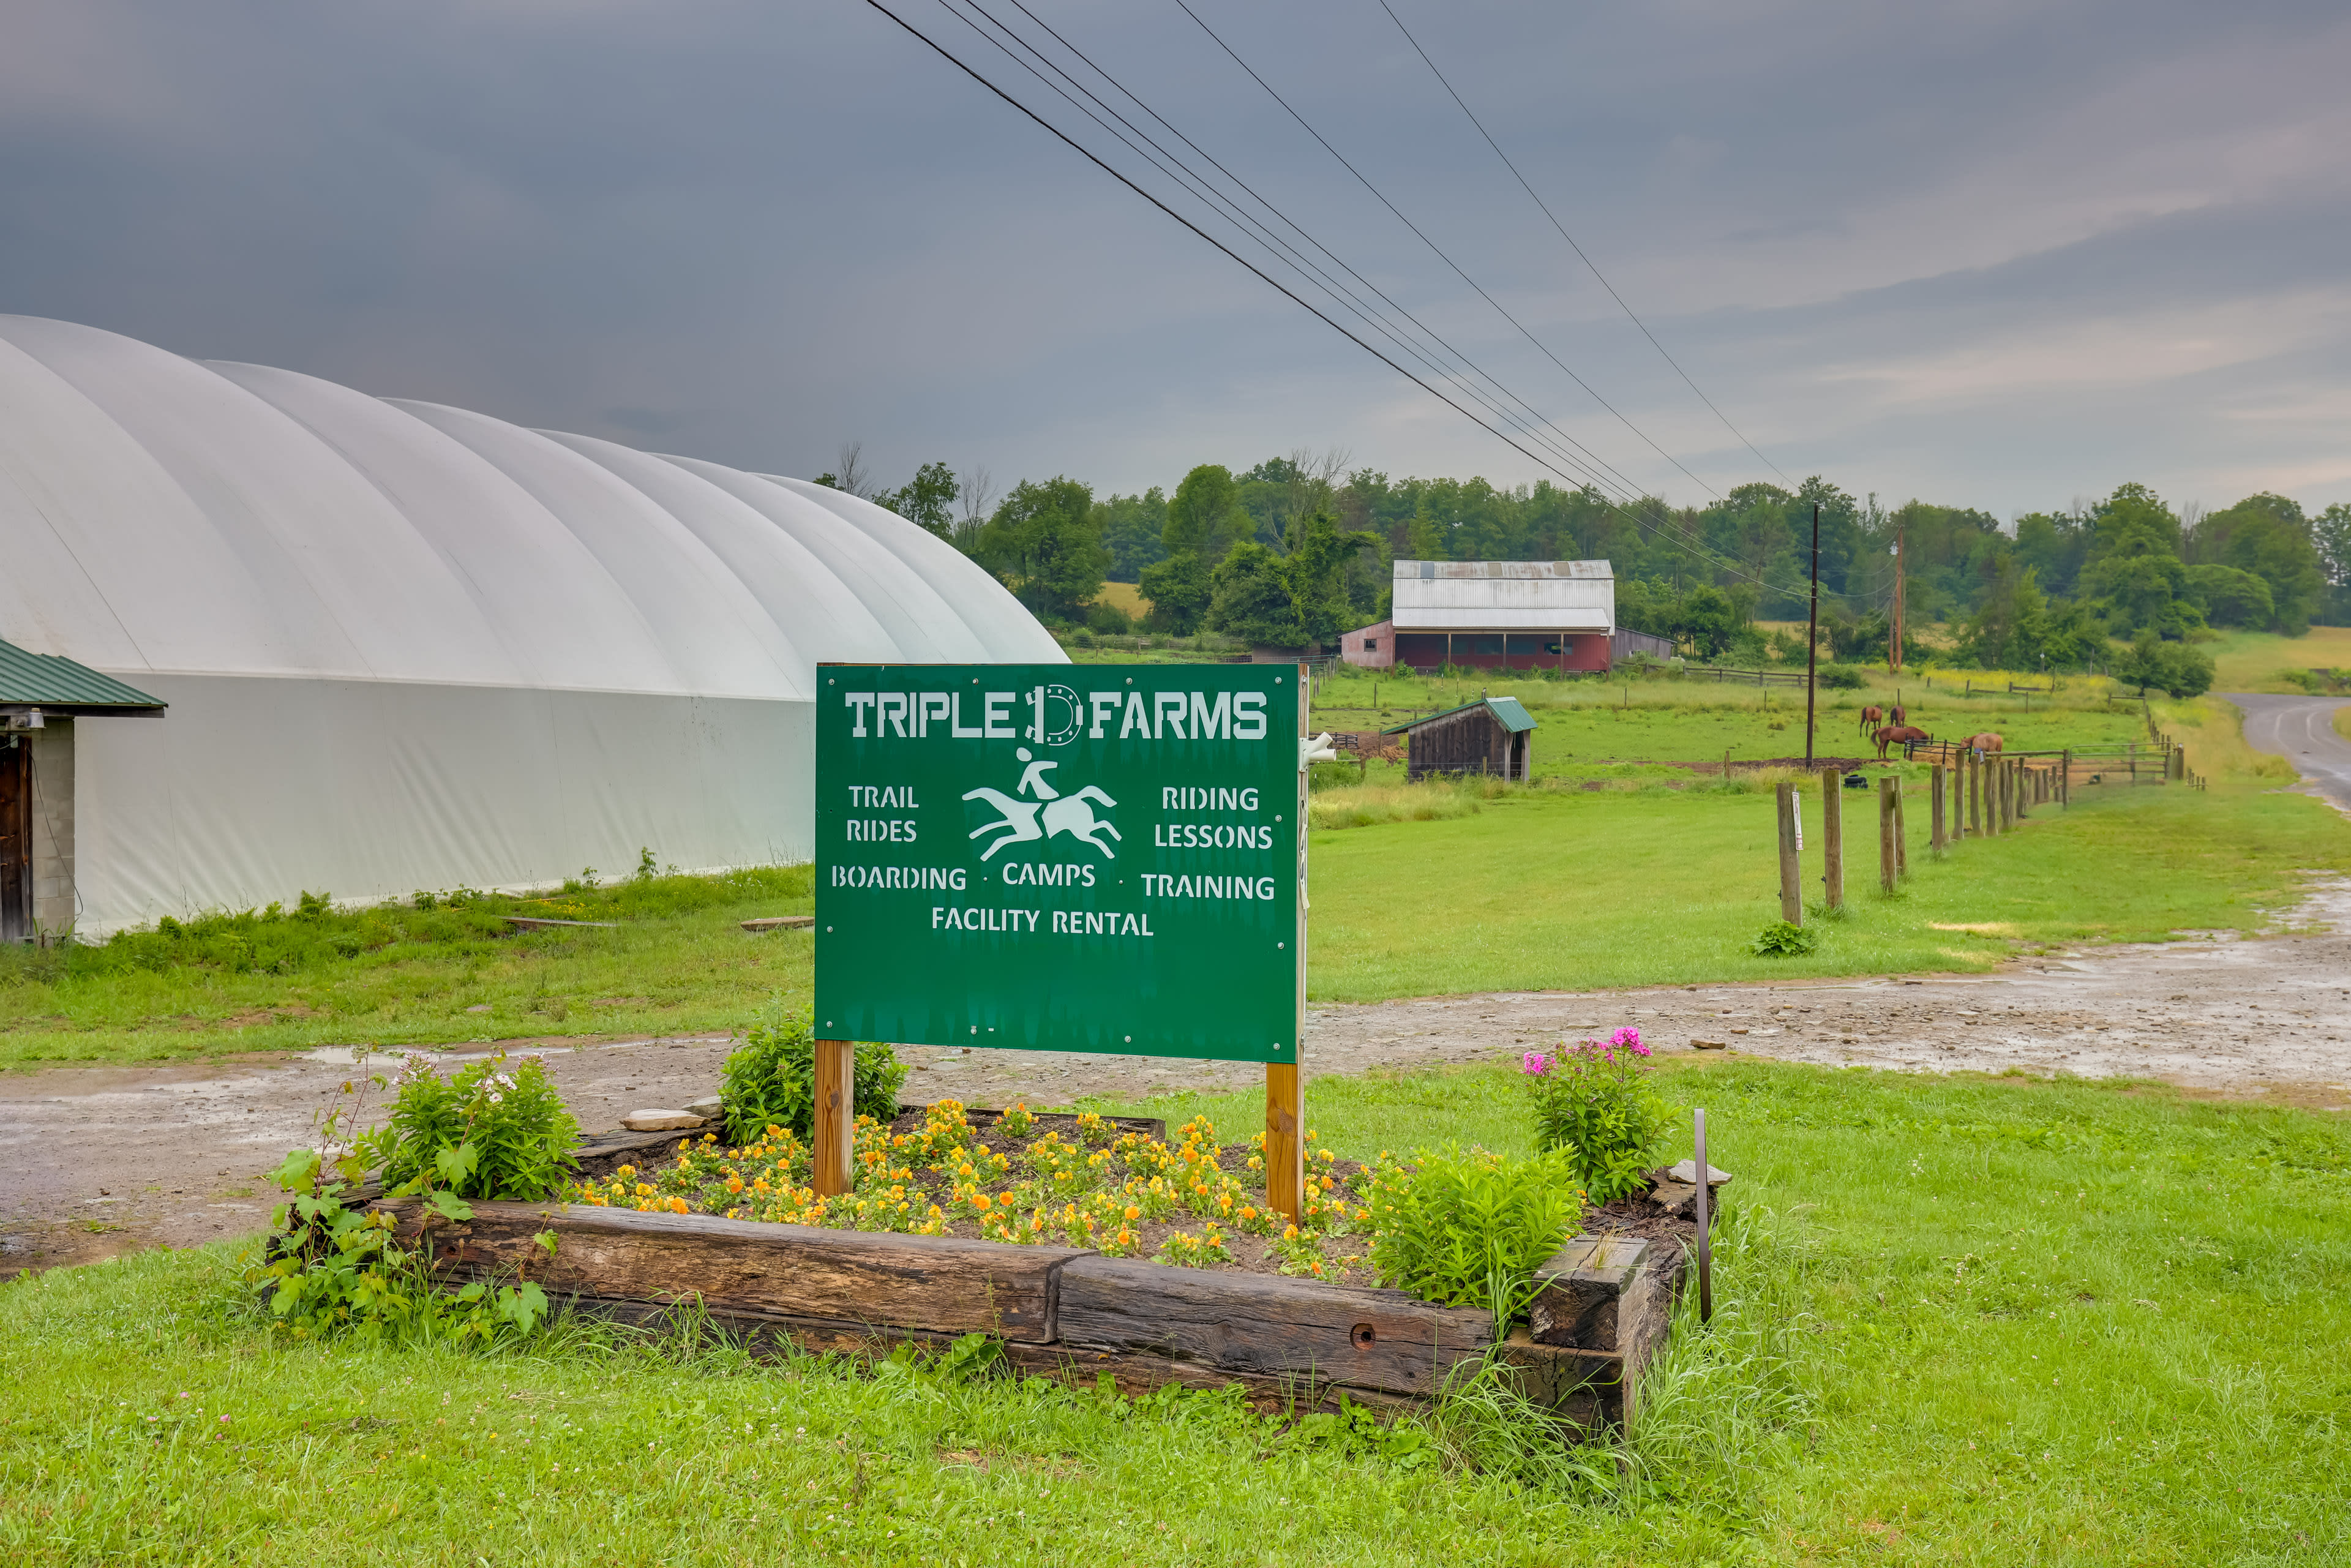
x=2256, y=660
x=1959, y=1321
x=1569, y=890
x=1546, y=888
x=677, y=962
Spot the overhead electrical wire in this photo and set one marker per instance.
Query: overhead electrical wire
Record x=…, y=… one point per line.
x=1447, y=385
x=1439, y=251
x=1588, y=263
x=1566, y=446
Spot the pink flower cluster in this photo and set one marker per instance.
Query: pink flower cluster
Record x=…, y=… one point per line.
x=1536, y=1064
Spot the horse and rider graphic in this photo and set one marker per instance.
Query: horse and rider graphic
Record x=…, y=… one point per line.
x=1019, y=824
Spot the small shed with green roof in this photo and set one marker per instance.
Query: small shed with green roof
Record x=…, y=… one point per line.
x=40, y=697
x=1493, y=735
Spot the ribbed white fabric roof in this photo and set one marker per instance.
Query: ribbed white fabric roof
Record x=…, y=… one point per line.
x=162, y=515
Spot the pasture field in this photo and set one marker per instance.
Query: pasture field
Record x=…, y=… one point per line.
x=1587, y=724
x=2257, y=661
x=1959, y=1321
x=1630, y=882
x=1572, y=889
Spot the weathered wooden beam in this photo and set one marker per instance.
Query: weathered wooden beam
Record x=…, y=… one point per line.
x=1268, y=1326
x=943, y=1283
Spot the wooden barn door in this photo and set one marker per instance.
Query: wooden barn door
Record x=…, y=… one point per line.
x=15, y=839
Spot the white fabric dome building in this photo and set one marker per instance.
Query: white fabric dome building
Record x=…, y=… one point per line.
x=406, y=646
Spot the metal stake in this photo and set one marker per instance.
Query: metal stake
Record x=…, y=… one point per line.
x=1705, y=1249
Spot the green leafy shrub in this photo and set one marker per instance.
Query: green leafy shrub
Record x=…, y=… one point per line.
x=770, y=1078
x=334, y=1267
x=485, y=1132
x=1784, y=939
x=1595, y=1106
x=1470, y=1230
x=1841, y=678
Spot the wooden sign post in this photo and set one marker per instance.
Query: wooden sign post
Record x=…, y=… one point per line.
x=1285, y=1087
x=835, y=1144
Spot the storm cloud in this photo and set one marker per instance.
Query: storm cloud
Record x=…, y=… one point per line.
x=2000, y=256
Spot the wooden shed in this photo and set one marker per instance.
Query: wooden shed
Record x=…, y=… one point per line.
x=1491, y=735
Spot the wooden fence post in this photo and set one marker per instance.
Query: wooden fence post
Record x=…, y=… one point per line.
x=1886, y=835
x=836, y=1117
x=1833, y=837
x=1792, y=884
x=1975, y=796
x=2065, y=780
x=1935, y=811
x=1901, y=833
x=2023, y=789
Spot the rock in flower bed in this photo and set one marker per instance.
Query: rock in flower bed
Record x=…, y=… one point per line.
x=1190, y=1199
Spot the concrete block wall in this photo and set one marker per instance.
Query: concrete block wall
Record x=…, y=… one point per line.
x=54, y=900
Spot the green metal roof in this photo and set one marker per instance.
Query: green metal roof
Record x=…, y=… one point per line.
x=1507, y=711
x=59, y=685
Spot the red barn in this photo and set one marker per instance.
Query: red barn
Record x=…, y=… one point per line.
x=1501, y=614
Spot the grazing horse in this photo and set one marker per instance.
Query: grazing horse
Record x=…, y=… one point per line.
x=1871, y=715
x=1896, y=716
x=1984, y=745
x=1903, y=735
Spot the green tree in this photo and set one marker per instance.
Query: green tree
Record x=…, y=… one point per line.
x=2331, y=531
x=1134, y=530
x=1316, y=573
x=1707, y=621
x=1179, y=593
x=2150, y=664
x=1204, y=517
x=2268, y=535
x=1250, y=598
x=1424, y=536
x=2227, y=596
x=2134, y=567
x=1042, y=542
x=927, y=499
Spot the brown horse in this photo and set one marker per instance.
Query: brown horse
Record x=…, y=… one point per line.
x=1871, y=715
x=1902, y=735
x=1896, y=716
x=1985, y=744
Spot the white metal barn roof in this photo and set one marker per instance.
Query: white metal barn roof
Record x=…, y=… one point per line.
x=1504, y=596
x=407, y=645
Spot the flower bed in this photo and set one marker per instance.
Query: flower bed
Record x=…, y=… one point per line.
x=1027, y=1179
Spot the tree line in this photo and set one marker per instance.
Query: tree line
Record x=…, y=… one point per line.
x=1297, y=550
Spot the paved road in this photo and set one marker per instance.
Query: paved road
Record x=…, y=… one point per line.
x=2302, y=730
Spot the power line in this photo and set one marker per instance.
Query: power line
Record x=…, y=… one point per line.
x=1680, y=537
x=1439, y=250
x=1569, y=238
x=1565, y=445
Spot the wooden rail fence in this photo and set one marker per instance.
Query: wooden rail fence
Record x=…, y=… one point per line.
x=1970, y=794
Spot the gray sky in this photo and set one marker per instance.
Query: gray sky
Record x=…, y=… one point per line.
x=2002, y=255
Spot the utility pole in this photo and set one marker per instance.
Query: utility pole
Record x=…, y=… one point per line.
x=1812, y=639
x=1896, y=663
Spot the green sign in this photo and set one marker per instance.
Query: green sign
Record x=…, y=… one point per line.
x=1059, y=857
